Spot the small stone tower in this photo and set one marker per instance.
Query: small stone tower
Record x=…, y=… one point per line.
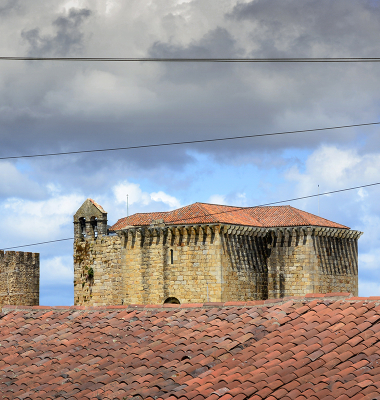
x=98, y=275
x=90, y=220
x=19, y=278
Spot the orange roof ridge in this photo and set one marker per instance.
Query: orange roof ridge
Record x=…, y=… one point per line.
x=220, y=205
x=299, y=214
x=206, y=213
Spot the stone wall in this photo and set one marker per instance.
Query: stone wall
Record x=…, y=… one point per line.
x=182, y=263
x=244, y=261
x=312, y=260
x=201, y=263
x=98, y=277
x=149, y=265
x=20, y=278
x=292, y=264
x=337, y=259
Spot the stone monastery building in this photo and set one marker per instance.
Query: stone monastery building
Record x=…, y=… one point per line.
x=210, y=253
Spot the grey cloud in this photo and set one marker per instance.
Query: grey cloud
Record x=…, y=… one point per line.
x=8, y=6
x=216, y=43
x=319, y=28
x=194, y=101
x=68, y=36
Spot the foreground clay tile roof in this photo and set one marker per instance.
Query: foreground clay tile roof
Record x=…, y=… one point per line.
x=318, y=347
x=202, y=213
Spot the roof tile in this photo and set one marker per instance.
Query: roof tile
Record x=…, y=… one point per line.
x=203, y=213
x=224, y=353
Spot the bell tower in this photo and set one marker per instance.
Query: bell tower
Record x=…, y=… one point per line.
x=90, y=221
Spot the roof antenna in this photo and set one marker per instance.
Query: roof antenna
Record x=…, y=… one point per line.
x=318, y=203
x=127, y=209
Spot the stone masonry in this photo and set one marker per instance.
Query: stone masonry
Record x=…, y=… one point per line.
x=20, y=278
x=312, y=260
x=211, y=263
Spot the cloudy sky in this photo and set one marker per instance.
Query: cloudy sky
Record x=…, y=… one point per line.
x=61, y=106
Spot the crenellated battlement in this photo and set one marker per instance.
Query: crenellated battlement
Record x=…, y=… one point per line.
x=20, y=256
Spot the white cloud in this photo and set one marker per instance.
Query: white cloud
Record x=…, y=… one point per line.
x=362, y=193
x=333, y=168
x=369, y=288
x=370, y=261
x=133, y=191
x=57, y=270
x=241, y=199
x=232, y=199
x=73, y=4
x=38, y=220
x=138, y=197
x=171, y=201
x=15, y=183
x=217, y=199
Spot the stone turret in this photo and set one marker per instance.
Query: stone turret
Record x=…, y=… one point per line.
x=19, y=278
x=90, y=220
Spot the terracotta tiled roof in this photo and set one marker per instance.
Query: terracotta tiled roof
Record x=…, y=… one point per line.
x=202, y=213
x=318, y=347
x=289, y=216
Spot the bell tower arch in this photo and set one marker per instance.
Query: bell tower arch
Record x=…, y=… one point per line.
x=90, y=220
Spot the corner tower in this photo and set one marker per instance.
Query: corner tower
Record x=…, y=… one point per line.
x=20, y=278
x=90, y=220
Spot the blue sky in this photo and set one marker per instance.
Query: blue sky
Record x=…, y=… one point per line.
x=53, y=107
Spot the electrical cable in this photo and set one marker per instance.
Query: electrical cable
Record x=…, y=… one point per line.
x=213, y=60
x=229, y=211
x=283, y=201
x=189, y=141
x=36, y=244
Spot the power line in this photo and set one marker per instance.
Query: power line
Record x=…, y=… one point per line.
x=202, y=60
x=189, y=141
x=230, y=211
x=284, y=201
x=36, y=244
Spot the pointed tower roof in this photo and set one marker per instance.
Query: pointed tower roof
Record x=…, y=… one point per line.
x=89, y=209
